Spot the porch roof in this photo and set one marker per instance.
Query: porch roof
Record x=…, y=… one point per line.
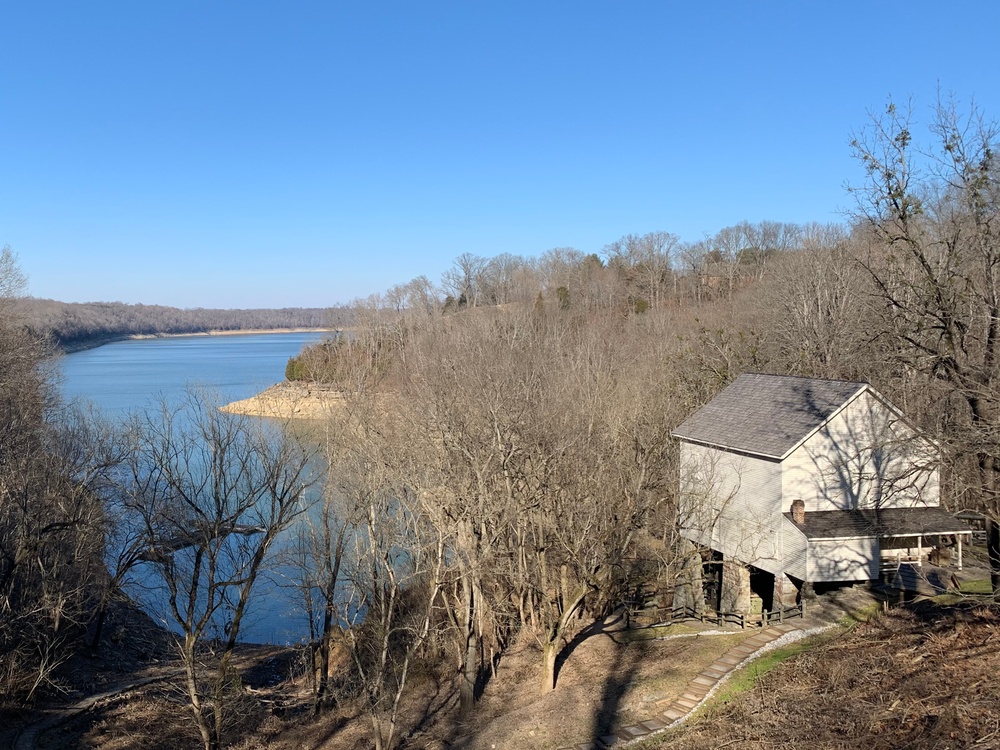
x=886, y=522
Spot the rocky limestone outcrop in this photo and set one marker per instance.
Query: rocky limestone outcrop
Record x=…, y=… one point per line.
x=289, y=401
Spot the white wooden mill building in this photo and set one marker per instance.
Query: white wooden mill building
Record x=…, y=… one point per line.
x=811, y=482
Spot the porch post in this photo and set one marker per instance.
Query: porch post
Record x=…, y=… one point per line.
x=920, y=550
x=959, y=537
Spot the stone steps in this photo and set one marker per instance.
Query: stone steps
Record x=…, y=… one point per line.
x=672, y=710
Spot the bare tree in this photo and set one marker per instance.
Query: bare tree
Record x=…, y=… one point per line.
x=536, y=474
x=816, y=310
x=650, y=258
x=214, y=491
x=463, y=281
x=694, y=260
x=501, y=279
x=51, y=518
x=933, y=224
x=395, y=578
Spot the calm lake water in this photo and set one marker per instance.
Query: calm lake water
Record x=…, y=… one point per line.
x=130, y=375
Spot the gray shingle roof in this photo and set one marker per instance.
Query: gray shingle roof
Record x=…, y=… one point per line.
x=766, y=414
x=839, y=524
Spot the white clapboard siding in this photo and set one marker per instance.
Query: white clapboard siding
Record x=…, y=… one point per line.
x=865, y=456
x=732, y=503
x=833, y=560
x=794, y=546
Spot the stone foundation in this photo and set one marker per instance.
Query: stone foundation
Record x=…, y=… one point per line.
x=786, y=593
x=735, y=587
x=689, y=590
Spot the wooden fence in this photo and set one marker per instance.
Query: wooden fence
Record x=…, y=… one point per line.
x=743, y=619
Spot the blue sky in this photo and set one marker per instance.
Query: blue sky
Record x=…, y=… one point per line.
x=252, y=154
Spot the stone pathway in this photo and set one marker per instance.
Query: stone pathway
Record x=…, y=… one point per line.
x=673, y=711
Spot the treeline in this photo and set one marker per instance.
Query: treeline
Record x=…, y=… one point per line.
x=630, y=276
x=77, y=324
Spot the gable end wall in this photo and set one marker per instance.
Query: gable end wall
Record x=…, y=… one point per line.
x=866, y=455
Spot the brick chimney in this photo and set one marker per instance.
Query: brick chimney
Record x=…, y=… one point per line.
x=798, y=511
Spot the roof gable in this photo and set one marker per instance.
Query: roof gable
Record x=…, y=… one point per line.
x=767, y=415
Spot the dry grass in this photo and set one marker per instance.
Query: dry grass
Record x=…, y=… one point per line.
x=919, y=677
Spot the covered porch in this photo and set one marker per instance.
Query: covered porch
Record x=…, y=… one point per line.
x=919, y=536
x=866, y=544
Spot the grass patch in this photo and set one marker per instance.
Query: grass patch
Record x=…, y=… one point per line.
x=979, y=586
x=948, y=600
x=746, y=678
x=864, y=614
x=975, y=588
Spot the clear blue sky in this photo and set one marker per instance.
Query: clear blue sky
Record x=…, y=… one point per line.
x=266, y=154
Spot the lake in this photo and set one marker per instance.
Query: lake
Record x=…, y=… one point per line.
x=125, y=376
x=128, y=375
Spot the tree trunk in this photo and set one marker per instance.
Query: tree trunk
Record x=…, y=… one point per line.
x=208, y=740
x=551, y=648
x=467, y=684
x=324, y=665
x=329, y=621
x=102, y=613
x=993, y=550
x=549, y=652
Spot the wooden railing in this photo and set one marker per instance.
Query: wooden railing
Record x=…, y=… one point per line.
x=892, y=562
x=743, y=619
x=645, y=609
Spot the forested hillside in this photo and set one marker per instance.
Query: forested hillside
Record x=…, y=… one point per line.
x=499, y=465
x=532, y=399
x=79, y=324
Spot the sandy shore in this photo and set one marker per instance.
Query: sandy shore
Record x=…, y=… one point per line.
x=101, y=341
x=288, y=401
x=241, y=332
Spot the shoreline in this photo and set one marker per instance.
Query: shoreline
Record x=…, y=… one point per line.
x=287, y=400
x=111, y=339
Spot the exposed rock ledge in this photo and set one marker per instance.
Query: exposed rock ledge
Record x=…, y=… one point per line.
x=289, y=401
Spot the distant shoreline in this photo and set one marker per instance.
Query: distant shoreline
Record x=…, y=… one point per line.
x=102, y=340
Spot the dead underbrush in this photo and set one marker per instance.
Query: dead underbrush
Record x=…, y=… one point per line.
x=920, y=677
x=607, y=680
